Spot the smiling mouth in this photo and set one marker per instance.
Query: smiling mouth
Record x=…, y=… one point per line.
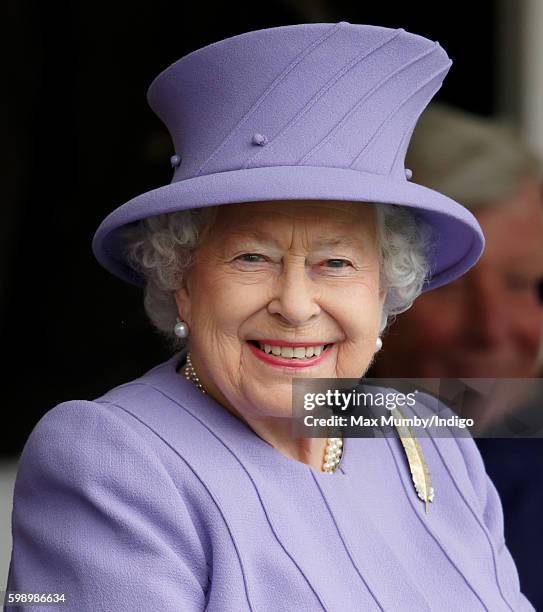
x=291, y=352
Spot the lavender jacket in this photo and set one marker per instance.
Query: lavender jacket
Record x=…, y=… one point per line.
x=154, y=497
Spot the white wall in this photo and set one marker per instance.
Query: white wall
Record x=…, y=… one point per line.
x=531, y=45
x=7, y=481
x=519, y=57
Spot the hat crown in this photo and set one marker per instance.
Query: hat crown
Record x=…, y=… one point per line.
x=327, y=95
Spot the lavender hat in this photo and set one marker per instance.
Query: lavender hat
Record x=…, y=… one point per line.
x=300, y=112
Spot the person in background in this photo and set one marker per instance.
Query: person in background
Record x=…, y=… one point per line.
x=489, y=322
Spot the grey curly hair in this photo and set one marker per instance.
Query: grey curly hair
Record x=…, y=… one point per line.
x=161, y=250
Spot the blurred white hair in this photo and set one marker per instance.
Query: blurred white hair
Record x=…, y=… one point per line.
x=477, y=161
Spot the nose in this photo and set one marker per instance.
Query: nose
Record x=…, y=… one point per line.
x=295, y=296
x=489, y=310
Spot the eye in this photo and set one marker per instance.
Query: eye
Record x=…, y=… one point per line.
x=251, y=257
x=519, y=283
x=338, y=263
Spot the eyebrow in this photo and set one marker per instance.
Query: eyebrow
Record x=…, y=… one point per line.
x=319, y=241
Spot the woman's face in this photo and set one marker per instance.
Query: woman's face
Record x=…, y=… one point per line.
x=282, y=273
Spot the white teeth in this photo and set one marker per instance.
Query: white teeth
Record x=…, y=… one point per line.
x=287, y=351
x=298, y=352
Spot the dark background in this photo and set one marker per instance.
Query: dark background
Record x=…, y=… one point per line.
x=82, y=141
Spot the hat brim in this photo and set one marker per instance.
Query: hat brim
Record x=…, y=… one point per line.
x=459, y=244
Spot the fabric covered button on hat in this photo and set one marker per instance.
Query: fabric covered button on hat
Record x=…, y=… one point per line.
x=259, y=139
x=175, y=160
x=408, y=174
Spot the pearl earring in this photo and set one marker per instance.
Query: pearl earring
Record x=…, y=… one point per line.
x=378, y=344
x=181, y=329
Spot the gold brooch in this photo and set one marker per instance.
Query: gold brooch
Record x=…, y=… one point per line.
x=415, y=457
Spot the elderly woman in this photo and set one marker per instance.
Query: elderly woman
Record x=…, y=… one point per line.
x=288, y=235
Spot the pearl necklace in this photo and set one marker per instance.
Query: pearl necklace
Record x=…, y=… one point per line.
x=334, y=446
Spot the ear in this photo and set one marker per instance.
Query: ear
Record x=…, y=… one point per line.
x=183, y=301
